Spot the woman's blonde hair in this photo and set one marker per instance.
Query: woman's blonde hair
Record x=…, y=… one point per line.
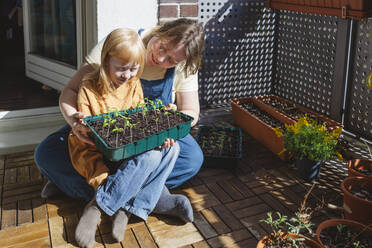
x=124, y=44
x=187, y=32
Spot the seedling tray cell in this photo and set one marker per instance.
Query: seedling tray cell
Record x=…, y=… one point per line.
x=221, y=146
x=180, y=128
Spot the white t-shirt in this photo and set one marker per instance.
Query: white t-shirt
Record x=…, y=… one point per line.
x=180, y=84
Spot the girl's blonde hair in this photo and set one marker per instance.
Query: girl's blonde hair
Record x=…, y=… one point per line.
x=124, y=44
x=187, y=32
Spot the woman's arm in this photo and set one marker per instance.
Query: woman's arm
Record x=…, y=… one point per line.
x=68, y=104
x=188, y=103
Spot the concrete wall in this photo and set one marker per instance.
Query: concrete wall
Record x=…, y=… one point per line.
x=134, y=14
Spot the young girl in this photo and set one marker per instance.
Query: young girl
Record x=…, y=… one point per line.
x=138, y=182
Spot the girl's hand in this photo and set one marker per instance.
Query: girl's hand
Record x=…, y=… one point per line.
x=167, y=143
x=171, y=106
x=79, y=129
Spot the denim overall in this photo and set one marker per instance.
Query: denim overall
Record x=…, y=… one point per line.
x=53, y=159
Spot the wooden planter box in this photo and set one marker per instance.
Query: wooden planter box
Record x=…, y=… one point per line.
x=342, y=8
x=256, y=128
x=331, y=124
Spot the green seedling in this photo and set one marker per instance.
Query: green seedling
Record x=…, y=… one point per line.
x=117, y=130
x=156, y=121
x=167, y=113
x=107, y=123
x=130, y=125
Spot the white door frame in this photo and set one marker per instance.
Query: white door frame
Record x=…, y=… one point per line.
x=45, y=70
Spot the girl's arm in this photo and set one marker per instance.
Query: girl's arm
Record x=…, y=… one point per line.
x=188, y=103
x=68, y=104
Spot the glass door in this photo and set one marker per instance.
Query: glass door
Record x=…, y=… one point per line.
x=53, y=40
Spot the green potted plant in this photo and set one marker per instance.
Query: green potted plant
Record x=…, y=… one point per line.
x=290, y=232
x=310, y=144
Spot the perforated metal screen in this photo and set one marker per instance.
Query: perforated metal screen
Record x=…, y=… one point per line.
x=239, y=50
x=358, y=114
x=251, y=50
x=305, y=60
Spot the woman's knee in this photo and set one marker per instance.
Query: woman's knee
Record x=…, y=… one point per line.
x=197, y=159
x=40, y=154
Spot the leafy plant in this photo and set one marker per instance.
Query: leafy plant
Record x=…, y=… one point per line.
x=307, y=139
x=298, y=225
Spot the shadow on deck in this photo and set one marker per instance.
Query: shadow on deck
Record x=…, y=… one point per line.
x=227, y=203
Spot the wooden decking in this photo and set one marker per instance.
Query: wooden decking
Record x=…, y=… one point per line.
x=227, y=205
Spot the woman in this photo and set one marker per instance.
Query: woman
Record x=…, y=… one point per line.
x=173, y=57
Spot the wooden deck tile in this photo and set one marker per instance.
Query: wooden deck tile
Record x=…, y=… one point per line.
x=143, y=236
x=39, y=209
x=10, y=176
x=241, y=187
x=220, y=194
x=130, y=240
x=200, y=244
x=171, y=235
x=252, y=223
x=200, y=197
x=275, y=204
x=9, y=215
x=227, y=217
x=231, y=190
x=24, y=212
x=256, y=209
x=2, y=162
x=57, y=232
x=215, y=221
x=36, y=233
x=227, y=240
x=110, y=242
x=23, y=174
x=227, y=205
x=243, y=203
x=203, y=226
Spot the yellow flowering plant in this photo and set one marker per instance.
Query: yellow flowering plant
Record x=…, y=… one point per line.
x=306, y=139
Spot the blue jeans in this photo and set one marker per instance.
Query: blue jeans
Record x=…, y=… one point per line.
x=137, y=183
x=53, y=159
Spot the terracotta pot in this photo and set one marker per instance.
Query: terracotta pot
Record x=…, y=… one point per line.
x=262, y=242
x=335, y=222
x=256, y=128
x=361, y=164
x=357, y=208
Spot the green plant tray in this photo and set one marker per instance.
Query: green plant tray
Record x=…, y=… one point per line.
x=139, y=146
x=219, y=161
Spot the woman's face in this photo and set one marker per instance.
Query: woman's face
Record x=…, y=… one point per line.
x=120, y=72
x=164, y=55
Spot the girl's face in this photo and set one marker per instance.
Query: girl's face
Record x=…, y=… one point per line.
x=120, y=72
x=161, y=54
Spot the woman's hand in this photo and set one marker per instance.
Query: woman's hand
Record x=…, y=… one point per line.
x=167, y=143
x=171, y=106
x=79, y=129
